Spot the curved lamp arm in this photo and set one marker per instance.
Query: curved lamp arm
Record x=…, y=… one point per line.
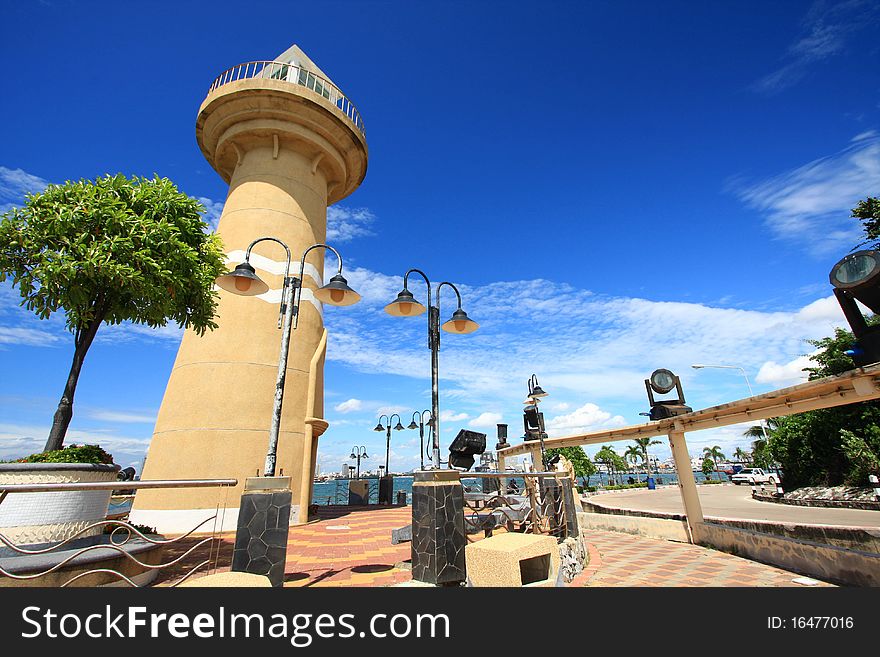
x=247, y=259
x=298, y=281
x=428, y=285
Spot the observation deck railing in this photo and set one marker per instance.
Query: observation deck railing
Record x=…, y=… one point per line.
x=295, y=75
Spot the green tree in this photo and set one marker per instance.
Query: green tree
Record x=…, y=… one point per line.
x=829, y=446
x=716, y=455
x=707, y=467
x=110, y=251
x=613, y=461
x=644, y=444
x=741, y=455
x=868, y=212
x=633, y=454
x=583, y=466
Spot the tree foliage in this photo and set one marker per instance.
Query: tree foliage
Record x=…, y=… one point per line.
x=868, y=212
x=112, y=250
x=583, y=466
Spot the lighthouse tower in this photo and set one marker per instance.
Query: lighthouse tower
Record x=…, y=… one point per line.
x=289, y=144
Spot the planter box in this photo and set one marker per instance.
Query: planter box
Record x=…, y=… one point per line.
x=28, y=518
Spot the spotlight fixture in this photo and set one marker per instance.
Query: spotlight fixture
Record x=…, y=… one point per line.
x=502, y=437
x=663, y=381
x=857, y=278
x=464, y=447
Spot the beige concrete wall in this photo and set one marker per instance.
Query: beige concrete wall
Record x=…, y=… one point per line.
x=667, y=529
x=824, y=562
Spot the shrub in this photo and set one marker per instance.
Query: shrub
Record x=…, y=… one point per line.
x=71, y=454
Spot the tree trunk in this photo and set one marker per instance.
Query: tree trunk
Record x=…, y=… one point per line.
x=64, y=412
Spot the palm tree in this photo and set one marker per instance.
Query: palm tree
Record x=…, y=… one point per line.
x=715, y=454
x=740, y=454
x=644, y=444
x=633, y=454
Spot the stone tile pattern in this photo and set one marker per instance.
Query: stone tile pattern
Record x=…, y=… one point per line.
x=439, y=540
x=625, y=560
x=362, y=555
x=261, y=538
x=348, y=546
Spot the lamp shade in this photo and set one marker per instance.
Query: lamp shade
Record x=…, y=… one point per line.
x=460, y=323
x=337, y=292
x=405, y=305
x=399, y=426
x=413, y=425
x=538, y=391
x=242, y=280
x=379, y=427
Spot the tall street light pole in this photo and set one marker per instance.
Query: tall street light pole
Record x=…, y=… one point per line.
x=748, y=383
x=244, y=281
x=358, y=453
x=260, y=538
x=405, y=305
x=421, y=427
x=380, y=427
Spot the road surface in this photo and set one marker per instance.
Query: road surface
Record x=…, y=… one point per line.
x=729, y=501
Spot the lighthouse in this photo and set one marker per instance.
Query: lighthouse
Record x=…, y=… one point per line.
x=289, y=143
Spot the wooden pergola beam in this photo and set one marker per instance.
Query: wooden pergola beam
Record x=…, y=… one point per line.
x=860, y=384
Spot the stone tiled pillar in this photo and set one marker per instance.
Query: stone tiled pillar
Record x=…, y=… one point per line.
x=263, y=522
x=438, y=536
x=386, y=486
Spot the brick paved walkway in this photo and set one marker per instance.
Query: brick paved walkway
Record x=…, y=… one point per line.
x=351, y=546
x=625, y=560
x=348, y=546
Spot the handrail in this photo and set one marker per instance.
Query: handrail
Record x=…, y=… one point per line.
x=117, y=485
x=294, y=74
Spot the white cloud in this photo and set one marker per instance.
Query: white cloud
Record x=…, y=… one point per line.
x=811, y=204
x=588, y=417
x=17, y=441
x=213, y=210
x=123, y=417
x=349, y=406
x=827, y=31
x=785, y=374
x=452, y=416
x=15, y=184
x=345, y=224
x=562, y=406
x=27, y=336
x=486, y=420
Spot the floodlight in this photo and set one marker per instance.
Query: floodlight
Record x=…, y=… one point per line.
x=857, y=278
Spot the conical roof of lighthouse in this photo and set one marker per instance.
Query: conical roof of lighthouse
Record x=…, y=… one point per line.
x=295, y=55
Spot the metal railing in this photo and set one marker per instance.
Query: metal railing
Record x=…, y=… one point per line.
x=544, y=505
x=295, y=75
x=123, y=534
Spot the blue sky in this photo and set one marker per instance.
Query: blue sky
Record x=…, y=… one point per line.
x=615, y=186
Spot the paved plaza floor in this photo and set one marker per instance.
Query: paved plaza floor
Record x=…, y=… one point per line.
x=351, y=546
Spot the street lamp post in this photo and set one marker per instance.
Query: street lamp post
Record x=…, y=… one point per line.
x=405, y=305
x=386, y=482
x=358, y=453
x=380, y=427
x=748, y=383
x=244, y=281
x=533, y=420
x=421, y=427
x=254, y=536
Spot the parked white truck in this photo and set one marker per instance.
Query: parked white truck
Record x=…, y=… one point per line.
x=754, y=476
